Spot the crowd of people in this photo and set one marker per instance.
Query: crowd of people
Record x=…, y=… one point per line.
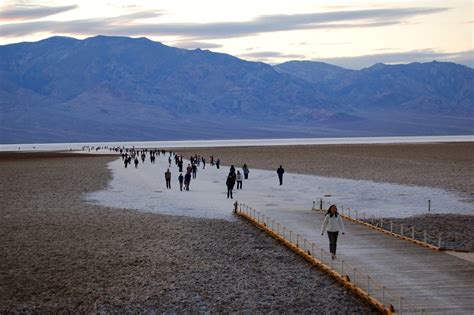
x=234, y=177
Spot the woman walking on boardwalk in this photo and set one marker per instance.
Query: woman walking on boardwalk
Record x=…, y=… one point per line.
x=332, y=224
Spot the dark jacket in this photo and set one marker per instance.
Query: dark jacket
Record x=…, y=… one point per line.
x=230, y=182
x=280, y=171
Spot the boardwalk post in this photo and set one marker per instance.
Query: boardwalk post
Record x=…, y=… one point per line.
x=342, y=267
x=273, y=221
x=290, y=236
x=354, y=277
x=305, y=248
x=357, y=215
x=413, y=232
x=314, y=205
x=349, y=212
x=424, y=236
x=278, y=228
x=401, y=230
x=429, y=205
x=381, y=223
x=342, y=209
x=297, y=240
x=322, y=253
x=321, y=204
x=391, y=226
x=368, y=285
x=383, y=295
x=313, y=253
x=439, y=241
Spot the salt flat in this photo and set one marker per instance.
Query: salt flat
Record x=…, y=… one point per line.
x=144, y=189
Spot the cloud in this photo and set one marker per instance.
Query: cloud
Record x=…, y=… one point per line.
x=30, y=12
x=425, y=55
x=264, y=55
x=125, y=25
x=194, y=45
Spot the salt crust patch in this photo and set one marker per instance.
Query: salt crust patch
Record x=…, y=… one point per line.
x=144, y=189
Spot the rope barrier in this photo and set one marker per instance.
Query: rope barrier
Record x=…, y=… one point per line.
x=380, y=226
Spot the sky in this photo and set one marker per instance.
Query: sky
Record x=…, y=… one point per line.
x=352, y=34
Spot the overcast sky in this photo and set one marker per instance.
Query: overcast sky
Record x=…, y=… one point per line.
x=353, y=34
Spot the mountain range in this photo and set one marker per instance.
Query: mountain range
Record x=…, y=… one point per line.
x=121, y=89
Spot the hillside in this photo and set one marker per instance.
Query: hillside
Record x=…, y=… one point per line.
x=117, y=88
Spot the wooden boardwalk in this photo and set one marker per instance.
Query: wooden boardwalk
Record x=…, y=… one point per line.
x=434, y=281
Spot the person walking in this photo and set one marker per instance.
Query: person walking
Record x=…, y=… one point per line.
x=332, y=224
x=280, y=172
x=203, y=163
x=187, y=181
x=218, y=163
x=246, y=171
x=180, y=180
x=136, y=162
x=168, y=179
x=238, y=177
x=230, y=182
x=194, y=168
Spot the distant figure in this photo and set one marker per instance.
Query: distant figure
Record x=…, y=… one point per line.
x=230, y=182
x=187, y=180
x=169, y=161
x=168, y=179
x=203, y=163
x=280, y=172
x=180, y=180
x=246, y=171
x=333, y=224
x=218, y=163
x=238, y=177
x=125, y=161
x=136, y=162
x=180, y=165
x=194, y=168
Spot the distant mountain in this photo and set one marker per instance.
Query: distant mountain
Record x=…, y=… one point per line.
x=117, y=88
x=312, y=71
x=425, y=88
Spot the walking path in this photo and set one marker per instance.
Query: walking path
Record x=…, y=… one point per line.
x=433, y=281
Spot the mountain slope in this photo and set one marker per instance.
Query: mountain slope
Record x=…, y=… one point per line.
x=118, y=88
x=429, y=88
x=312, y=71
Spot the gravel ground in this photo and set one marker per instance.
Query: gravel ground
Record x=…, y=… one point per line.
x=457, y=231
x=60, y=254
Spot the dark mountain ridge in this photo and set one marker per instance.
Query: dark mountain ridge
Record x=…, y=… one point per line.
x=119, y=88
